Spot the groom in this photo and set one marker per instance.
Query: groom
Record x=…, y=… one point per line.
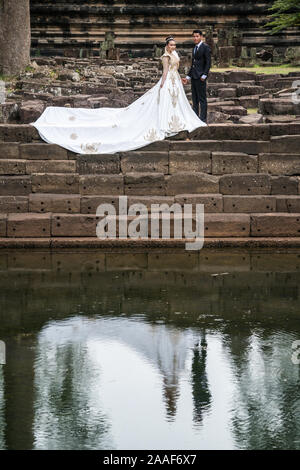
x=201, y=61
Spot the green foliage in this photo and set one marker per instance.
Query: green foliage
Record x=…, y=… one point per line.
x=28, y=68
x=53, y=74
x=286, y=14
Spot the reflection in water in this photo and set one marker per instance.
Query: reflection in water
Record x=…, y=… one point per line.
x=95, y=375
x=156, y=358
x=201, y=393
x=267, y=392
x=66, y=415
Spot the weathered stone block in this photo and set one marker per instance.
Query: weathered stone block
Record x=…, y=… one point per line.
x=15, y=185
x=241, y=183
x=28, y=225
x=212, y=202
x=89, y=204
x=54, y=203
x=233, y=110
x=235, y=76
x=249, y=204
x=226, y=225
x=229, y=132
x=30, y=111
x=279, y=164
x=98, y=164
x=275, y=225
x=250, y=147
x=145, y=162
x=3, y=219
x=288, y=204
x=13, y=204
x=249, y=102
x=76, y=225
x=285, y=144
x=277, y=106
x=188, y=183
x=49, y=166
x=230, y=162
x=227, y=92
x=284, y=185
x=101, y=184
x=292, y=128
x=159, y=146
x=144, y=184
x=9, y=150
x=16, y=132
x=247, y=90
x=42, y=151
x=149, y=200
x=57, y=183
x=190, y=161
x=12, y=167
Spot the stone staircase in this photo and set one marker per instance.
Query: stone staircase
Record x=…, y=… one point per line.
x=247, y=177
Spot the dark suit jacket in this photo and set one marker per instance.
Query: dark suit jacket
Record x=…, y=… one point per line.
x=201, y=62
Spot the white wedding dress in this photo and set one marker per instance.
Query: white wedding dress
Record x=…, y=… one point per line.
x=159, y=113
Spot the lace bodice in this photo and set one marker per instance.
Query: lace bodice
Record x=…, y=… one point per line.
x=173, y=61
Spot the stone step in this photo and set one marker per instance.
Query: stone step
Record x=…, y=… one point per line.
x=28, y=167
x=213, y=202
x=287, y=144
x=250, y=147
x=151, y=183
x=278, y=106
x=25, y=133
x=35, y=225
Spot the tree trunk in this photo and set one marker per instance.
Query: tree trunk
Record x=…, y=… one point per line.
x=15, y=37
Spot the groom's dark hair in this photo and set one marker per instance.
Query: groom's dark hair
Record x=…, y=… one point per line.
x=197, y=31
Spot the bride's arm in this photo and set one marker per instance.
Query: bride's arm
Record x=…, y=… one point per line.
x=165, y=61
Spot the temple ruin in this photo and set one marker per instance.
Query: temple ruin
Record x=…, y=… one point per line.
x=234, y=30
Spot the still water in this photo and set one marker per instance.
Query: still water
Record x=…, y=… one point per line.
x=150, y=350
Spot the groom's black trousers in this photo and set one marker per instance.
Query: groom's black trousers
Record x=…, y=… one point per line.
x=199, y=97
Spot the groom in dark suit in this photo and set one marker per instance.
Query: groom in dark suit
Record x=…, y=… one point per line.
x=198, y=73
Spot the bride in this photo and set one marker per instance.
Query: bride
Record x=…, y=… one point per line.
x=162, y=111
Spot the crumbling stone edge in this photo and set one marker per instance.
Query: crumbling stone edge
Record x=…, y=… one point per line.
x=128, y=245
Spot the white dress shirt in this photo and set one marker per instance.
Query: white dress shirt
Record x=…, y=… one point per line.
x=202, y=76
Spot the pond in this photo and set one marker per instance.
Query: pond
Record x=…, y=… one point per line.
x=150, y=350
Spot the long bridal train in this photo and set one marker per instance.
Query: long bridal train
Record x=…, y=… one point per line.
x=159, y=113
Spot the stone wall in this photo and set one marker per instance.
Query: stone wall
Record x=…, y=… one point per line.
x=77, y=28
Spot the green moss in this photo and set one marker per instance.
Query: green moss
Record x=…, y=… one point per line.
x=28, y=68
x=252, y=110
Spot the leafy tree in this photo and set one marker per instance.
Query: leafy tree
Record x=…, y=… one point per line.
x=286, y=14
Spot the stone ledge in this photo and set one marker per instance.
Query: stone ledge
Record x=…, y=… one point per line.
x=230, y=242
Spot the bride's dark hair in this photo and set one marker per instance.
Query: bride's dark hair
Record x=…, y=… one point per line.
x=168, y=39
